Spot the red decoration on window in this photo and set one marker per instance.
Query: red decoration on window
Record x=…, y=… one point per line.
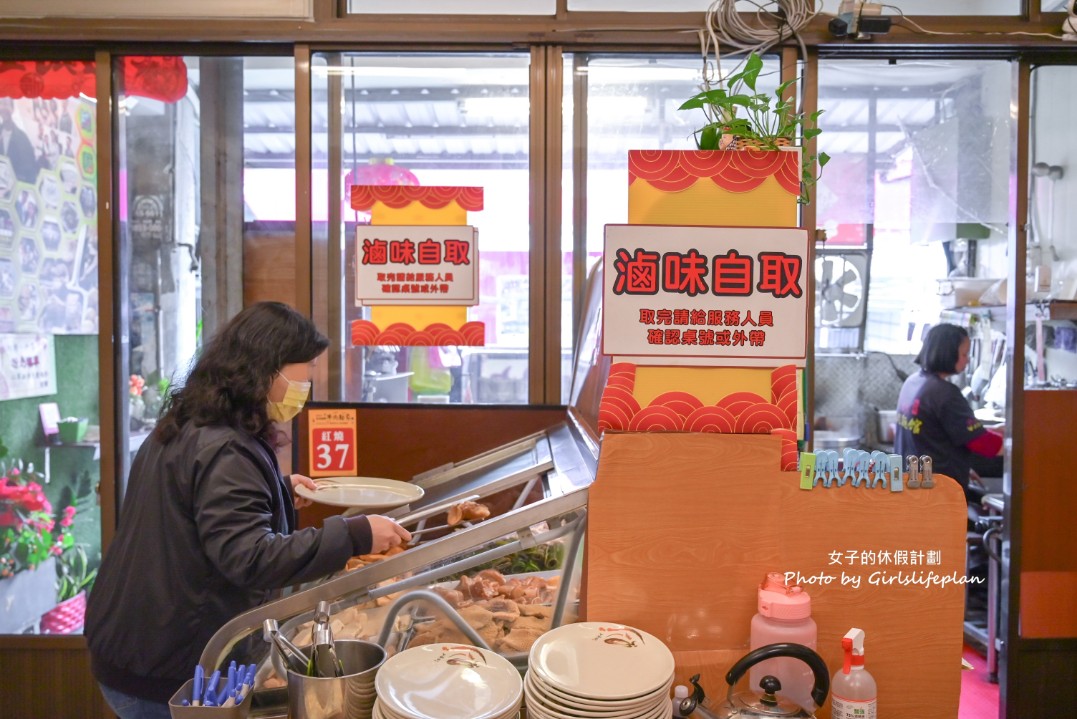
x=740, y=171
x=379, y=172
x=158, y=78
x=363, y=197
x=45, y=79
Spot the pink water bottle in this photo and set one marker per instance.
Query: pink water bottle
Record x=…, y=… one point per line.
x=784, y=615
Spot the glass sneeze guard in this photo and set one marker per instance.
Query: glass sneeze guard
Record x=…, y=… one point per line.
x=371, y=593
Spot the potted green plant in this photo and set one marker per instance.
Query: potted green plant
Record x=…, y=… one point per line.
x=73, y=579
x=739, y=117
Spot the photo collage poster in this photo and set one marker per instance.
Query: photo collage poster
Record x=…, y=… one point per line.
x=48, y=216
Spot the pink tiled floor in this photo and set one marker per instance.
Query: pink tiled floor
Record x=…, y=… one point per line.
x=979, y=697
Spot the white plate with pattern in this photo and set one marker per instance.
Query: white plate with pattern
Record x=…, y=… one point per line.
x=601, y=661
x=449, y=681
x=362, y=492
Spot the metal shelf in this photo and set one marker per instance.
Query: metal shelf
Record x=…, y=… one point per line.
x=1047, y=310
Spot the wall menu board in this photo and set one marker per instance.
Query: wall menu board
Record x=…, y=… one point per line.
x=48, y=216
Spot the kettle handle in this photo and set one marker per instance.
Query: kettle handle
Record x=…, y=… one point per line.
x=785, y=649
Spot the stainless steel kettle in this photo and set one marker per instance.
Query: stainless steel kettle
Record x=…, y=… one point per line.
x=750, y=704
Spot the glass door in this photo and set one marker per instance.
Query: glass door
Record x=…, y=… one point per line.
x=418, y=120
x=50, y=515
x=205, y=158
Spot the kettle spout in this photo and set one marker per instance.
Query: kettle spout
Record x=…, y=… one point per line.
x=693, y=705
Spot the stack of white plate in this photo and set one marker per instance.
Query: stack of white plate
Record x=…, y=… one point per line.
x=598, y=670
x=448, y=681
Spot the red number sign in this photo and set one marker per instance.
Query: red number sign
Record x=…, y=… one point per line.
x=332, y=443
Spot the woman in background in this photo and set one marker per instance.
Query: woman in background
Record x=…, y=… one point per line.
x=208, y=525
x=933, y=417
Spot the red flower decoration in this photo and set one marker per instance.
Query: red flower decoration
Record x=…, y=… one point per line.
x=32, y=85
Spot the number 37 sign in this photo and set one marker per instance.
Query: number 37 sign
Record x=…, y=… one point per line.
x=332, y=442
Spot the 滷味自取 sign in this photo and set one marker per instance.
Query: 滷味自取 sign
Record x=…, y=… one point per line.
x=707, y=296
x=416, y=265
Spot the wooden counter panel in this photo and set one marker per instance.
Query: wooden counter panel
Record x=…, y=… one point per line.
x=682, y=529
x=1049, y=507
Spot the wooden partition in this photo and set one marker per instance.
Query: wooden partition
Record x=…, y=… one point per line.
x=1049, y=519
x=48, y=678
x=682, y=529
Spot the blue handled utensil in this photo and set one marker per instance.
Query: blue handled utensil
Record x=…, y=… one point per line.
x=211, y=691
x=229, y=685
x=245, y=675
x=196, y=690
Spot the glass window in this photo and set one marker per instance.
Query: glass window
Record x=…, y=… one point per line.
x=631, y=104
x=1052, y=248
x=50, y=518
x=458, y=7
x=570, y=274
x=915, y=197
x=196, y=137
x=459, y=120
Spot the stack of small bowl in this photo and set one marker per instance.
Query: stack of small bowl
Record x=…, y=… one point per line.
x=448, y=681
x=598, y=670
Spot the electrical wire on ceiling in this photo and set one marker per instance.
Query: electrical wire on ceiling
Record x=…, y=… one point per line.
x=773, y=22
x=920, y=30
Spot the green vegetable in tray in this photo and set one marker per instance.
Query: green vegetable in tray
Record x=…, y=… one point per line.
x=542, y=558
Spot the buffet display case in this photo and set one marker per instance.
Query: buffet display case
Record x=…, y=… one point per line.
x=498, y=583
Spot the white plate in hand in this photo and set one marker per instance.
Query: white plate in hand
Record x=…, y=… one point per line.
x=362, y=492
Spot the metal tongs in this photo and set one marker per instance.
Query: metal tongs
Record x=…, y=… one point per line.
x=293, y=657
x=323, y=654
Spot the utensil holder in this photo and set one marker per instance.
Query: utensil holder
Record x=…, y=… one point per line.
x=348, y=697
x=175, y=704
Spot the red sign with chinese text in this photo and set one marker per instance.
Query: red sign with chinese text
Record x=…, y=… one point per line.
x=331, y=442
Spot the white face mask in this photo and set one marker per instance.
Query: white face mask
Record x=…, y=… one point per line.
x=294, y=399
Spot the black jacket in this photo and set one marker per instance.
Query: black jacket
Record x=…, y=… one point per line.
x=206, y=532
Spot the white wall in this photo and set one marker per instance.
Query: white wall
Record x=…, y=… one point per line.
x=1054, y=142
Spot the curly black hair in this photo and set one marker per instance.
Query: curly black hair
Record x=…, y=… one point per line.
x=229, y=383
x=941, y=348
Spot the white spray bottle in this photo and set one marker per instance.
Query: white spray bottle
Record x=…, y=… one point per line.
x=853, y=693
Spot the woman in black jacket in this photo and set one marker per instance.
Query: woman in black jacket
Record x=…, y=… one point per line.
x=208, y=525
x=933, y=417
